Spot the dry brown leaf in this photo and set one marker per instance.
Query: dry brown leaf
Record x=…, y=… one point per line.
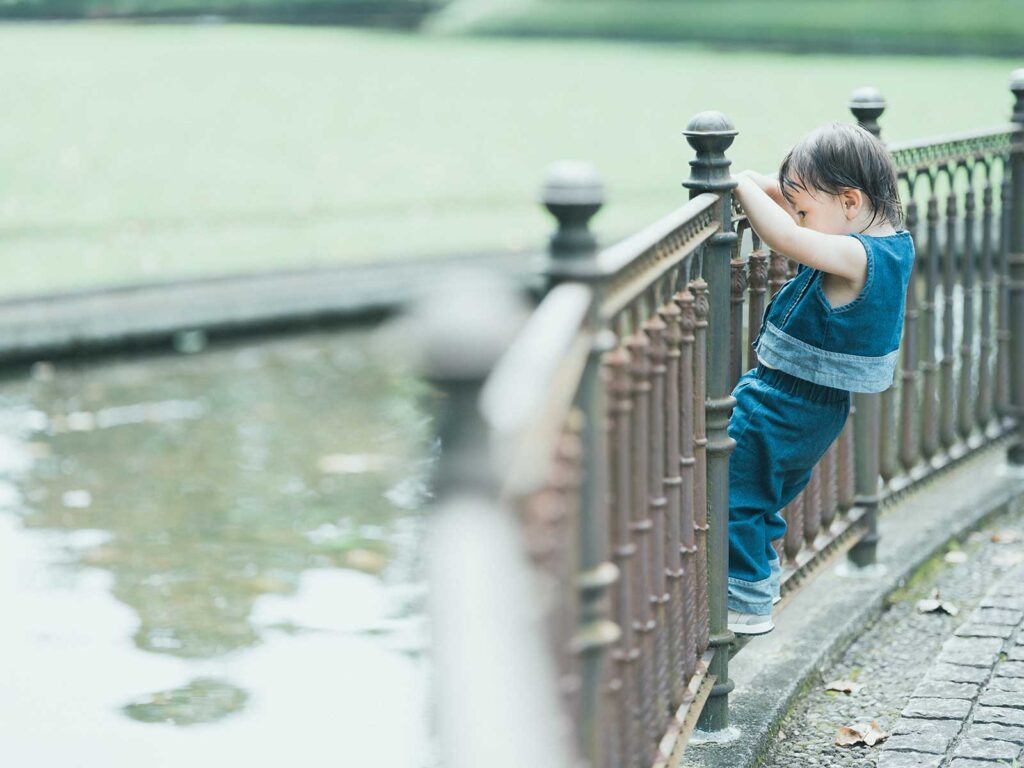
x=956, y=556
x=861, y=733
x=844, y=686
x=934, y=605
x=1006, y=536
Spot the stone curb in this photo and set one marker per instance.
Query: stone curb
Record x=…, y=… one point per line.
x=771, y=672
x=151, y=315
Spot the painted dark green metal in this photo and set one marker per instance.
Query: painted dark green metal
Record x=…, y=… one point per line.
x=710, y=134
x=867, y=105
x=573, y=193
x=1015, y=454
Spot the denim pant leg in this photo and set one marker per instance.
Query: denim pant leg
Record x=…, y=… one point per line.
x=779, y=437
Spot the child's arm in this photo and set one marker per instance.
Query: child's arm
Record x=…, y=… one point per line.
x=836, y=254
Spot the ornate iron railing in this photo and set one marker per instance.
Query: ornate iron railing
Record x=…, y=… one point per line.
x=608, y=415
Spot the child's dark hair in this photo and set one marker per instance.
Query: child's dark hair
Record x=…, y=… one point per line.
x=836, y=156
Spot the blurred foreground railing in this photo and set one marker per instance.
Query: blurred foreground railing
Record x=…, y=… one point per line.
x=601, y=432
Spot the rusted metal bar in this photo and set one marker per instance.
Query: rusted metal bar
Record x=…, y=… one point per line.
x=737, y=297
x=757, y=280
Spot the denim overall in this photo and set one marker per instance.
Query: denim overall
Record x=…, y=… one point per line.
x=793, y=405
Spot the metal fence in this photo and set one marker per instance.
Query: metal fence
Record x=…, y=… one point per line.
x=602, y=428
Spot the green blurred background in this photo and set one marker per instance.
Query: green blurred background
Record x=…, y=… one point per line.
x=135, y=152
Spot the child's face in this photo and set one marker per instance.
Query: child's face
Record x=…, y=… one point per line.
x=822, y=212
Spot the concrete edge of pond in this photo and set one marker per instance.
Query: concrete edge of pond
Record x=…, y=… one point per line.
x=115, y=319
x=820, y=622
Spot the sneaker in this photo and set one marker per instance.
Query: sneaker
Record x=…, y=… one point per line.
x=777, y=599
x=749, y=623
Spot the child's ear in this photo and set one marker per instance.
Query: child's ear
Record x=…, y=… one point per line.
x=852, y=200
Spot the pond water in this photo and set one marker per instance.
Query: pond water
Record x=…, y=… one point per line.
x=214, y=557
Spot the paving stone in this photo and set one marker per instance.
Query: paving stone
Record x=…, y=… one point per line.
x=1012, y=602
x=1003, y=715
x=987, y=749
x=962, y=762
x=943, y=689
x=947, y=728
x=910, y=760
x=996, y=731
x=1016, y=653
x=1010, y=669
x=957, y=673
x=1009, y=587
x=971, y=651
x=937, y=709
x=929, y=741
x=991, y=698
x=974, y=629
x=997, y=616
x=1008, y=684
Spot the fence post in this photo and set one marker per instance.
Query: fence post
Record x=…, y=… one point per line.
x=494, y=678
x=867, y=105
x=573, y=193
x=710, y=134
x=1015, y=258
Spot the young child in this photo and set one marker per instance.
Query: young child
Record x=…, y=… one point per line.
x=831, y=330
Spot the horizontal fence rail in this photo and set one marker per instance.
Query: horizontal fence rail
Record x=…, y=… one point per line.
x=606, y=419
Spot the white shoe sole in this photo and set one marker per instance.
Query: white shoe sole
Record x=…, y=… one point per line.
x=776, y=600
x=762, y=628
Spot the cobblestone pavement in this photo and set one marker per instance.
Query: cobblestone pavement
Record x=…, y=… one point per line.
x=950, y=689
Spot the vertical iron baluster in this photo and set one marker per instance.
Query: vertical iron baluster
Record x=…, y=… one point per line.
x=699, y=290
x=676, y=621
x=909, y=375
x=947, y=398
x=829, y=498
x=643, y=617
x=1003, y=285
x=1015, y=453
x=793, y=541
x=845, y=470
x=887, y=466
x=985, y=379
x=694, y=590
x=965, y=397
x=929, y=360
x=620, y=499
x=757, y=280
x=655, y=328
x=776, y=271
x=737, y=295
x=812, y=507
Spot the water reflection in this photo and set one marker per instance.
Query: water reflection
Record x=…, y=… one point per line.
x=237, y=503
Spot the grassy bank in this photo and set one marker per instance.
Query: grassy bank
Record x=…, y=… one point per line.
x=148, y=153
x=982, y=27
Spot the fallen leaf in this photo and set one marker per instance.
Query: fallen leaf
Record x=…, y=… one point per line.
x=934, y=605
x=861, y=733
x=844, y=686
x=1007, y=536
x=956, y=556
x=781, y=735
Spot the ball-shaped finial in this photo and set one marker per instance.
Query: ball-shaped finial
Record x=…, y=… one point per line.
x=1017, y=86
x=573, y=182
x=710, y=134
x=459, y=328
x=867, y=104
x=573, y=193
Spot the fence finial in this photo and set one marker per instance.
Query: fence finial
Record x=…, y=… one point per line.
x=867, y=105
x=710, y=134
x=1017, y=86
x=573, y=193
